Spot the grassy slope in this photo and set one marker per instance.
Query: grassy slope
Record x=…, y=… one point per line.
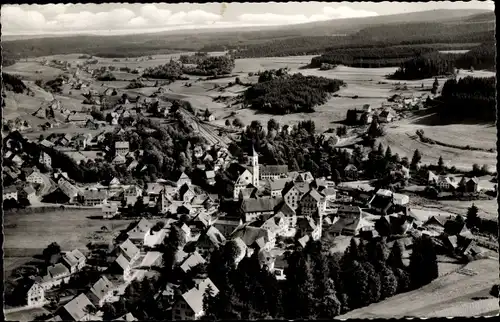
x=447, y=296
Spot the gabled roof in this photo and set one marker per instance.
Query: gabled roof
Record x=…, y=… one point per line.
x=273, y=169
x=277, y=184
x=250, y=235
x=126, y=317
x=121, y=145
x=215, y=236
x=313, y=193
x=122, y=262
x=128, y=249
x=76, y=307
x=57, y=270
x=194, y=297
x=284, y=209
x=191, y=261
x=183, y=176
x=259, y=205
x=433, y=221
x=101, y=288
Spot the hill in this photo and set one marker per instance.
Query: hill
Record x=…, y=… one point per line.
x=192, y=40
x=461, y=293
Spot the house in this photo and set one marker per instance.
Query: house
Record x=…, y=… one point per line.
x=312, y=202
x=78, y=118
x=469, y=249
x=276, y=187
x=443, y=182
x=283, y=209
x=350, y=171
x=191, y=261
x=109, y=210
x=276, y=224
x=255, y=237
x=248, y=192
x=245, y=177
x=251, y=209
x=137, y=233
x=45, y=159
x=273, y=171
x=385, y=117
x=30, y=193
x=154, y=238
x=209, y=240
x=397, y=198
x=91, y=198
x=350, y=222
x=128, y=250
x=226, y=227
x=74, y=260
x=292, y=193
x=469, y=184
x=186, y=193
x=301, y=177
x=210, y=177
x=306, y=226
x=121, y=147
x=151, y=260
x=10, y=193
x=119, y=159
x=455, y=228
x=433, y=224
x=56, y=274
x=81, y=141
x=100, y=292
x=183, y=179
x=76, y=309
x=32, y=291
x=189, y=305
x=35, y=177
x=67, y=188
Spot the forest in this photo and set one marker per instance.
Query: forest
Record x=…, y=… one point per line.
x=211, y=66
x=426, y=66
x=480, y=57
x=13, y=83
x=468, y=98
x=171, y=71
x=194, y=59
x=290, y=93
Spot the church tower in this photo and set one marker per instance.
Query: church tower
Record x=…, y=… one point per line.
x=254, y=162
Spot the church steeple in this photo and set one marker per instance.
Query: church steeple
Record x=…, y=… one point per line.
x=254, y=163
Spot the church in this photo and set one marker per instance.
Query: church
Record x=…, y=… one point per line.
x=253, y=173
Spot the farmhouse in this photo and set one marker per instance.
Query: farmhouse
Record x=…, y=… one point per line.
x=311, y=203
x=33, y=292
x=183, y=179
x=45, y=159
x=93, y=198
x=251, y=209
x=276, y=186
x=100, y=292
x=121, y=147
x=109, y=210
x=74, y=260
x=386, y=117
x=469, y=184
x=294, y=192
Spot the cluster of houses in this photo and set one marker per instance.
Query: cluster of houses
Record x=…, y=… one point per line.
x=366, y=114
x=451, y=184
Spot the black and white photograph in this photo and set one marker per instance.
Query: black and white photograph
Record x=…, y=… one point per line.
x=249, y=161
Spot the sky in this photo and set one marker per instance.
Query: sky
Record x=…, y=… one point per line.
x=136, y=18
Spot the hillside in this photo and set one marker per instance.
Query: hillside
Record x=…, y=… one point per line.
x=189, y=40
x=457, y=294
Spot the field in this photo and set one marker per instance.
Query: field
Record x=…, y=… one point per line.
x=453, y=295
x=28, y=234
x=25, y=315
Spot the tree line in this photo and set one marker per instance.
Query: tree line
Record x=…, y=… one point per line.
x=211, y=66
x=468, y=97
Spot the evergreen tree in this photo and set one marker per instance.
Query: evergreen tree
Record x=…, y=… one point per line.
x=329, y=305
x=472, y=217
x=417, y=157
x=374, y=283
x=389, y=282
x=356, y=281
x=423, y=262
x=404, y=280
x=380, y=150
x=395, y=259
x=293, y=165
x=388, y=154
x=440, y=163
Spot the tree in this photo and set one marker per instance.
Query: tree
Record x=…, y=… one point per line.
x=435, y=86
x=389, y=282
x=440, y=164
x=108, y=311
x=52, y=252
x=329, y=305
x=423, y=262
x=476, y=169
x=237, y=123
x=472, y=217
x=404, y=281
x=228, y=123
x=388, y=154
x=293, y=165
x=395, y=259
x=272, y=125
x=415, y=160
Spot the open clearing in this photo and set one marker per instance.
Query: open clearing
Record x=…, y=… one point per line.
x=26, y=235
x=26, y=315
x=447, y=296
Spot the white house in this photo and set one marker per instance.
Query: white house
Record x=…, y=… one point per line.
x=189, y=306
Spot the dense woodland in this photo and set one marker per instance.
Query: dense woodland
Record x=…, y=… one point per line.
x=13, y=83
x=480, y=57
x=193, y=59
x=170, y=71
x=286, y=94
x=211, y=66
x=426, y=66
x=319, y=285
x=468, y=98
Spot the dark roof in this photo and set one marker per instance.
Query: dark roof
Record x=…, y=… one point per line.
x=381, y=202
x=285, y=209
x=273, y=169
x=259, y=205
